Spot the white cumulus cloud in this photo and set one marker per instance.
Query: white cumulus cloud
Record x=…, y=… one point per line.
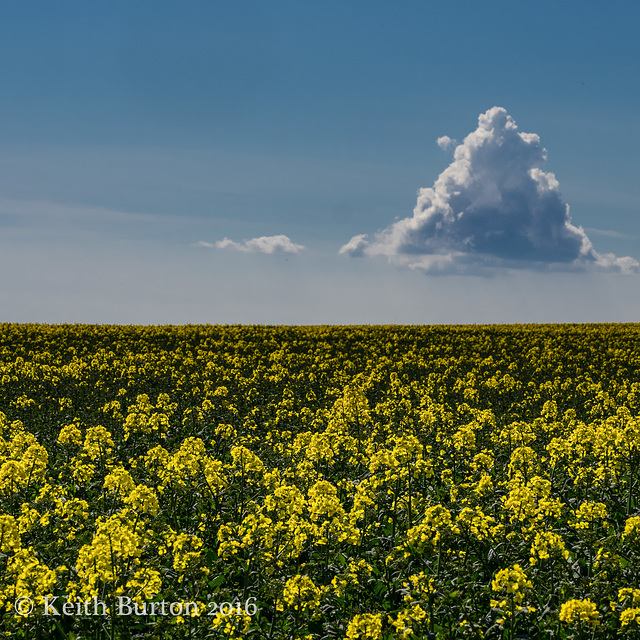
x=356, y=246
x=492, y=207
x=264, y=244
x=444, y=142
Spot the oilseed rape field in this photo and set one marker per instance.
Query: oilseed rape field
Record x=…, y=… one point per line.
x=307, y=483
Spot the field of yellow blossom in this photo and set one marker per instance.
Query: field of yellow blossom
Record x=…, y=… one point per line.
x=290, y=483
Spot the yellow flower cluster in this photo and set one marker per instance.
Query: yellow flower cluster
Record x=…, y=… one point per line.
x=546, y=544
x=27, y=577
x=23, y=461
x=580, y=612
x=301, y=594
x=587, y=514
x=513, y=582
x=114, y=546
x=631, y=614
x=9, y=534
x=365, y=626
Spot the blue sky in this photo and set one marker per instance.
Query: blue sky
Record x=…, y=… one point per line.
x=206, y=162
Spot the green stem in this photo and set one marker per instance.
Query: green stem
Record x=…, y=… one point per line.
x=629, y=492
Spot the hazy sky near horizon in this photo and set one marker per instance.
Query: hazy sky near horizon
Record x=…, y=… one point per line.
x=320, y=163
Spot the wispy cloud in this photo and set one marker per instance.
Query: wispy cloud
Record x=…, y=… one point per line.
x=28, y=220
x=608, y=233
x=44, y=211
x=264, y=244
x=492, y=207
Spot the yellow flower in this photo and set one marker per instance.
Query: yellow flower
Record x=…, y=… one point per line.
x=301, y=594
x=545, y=544
x=580, y=611
x=70, y=434
x=146, y=583
x=143, y=499
x=632, y=529
x=409, y=620
x=120, y=481
x=513, y=582
x=97, y=442
x=28, y=577
x=323, y=501
x=186, y=552
x=28, y=518
x=475, y=522
x=587, y=513
x=9, y=534
x=365, y=626
x=115, y=544
x=630, y=615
